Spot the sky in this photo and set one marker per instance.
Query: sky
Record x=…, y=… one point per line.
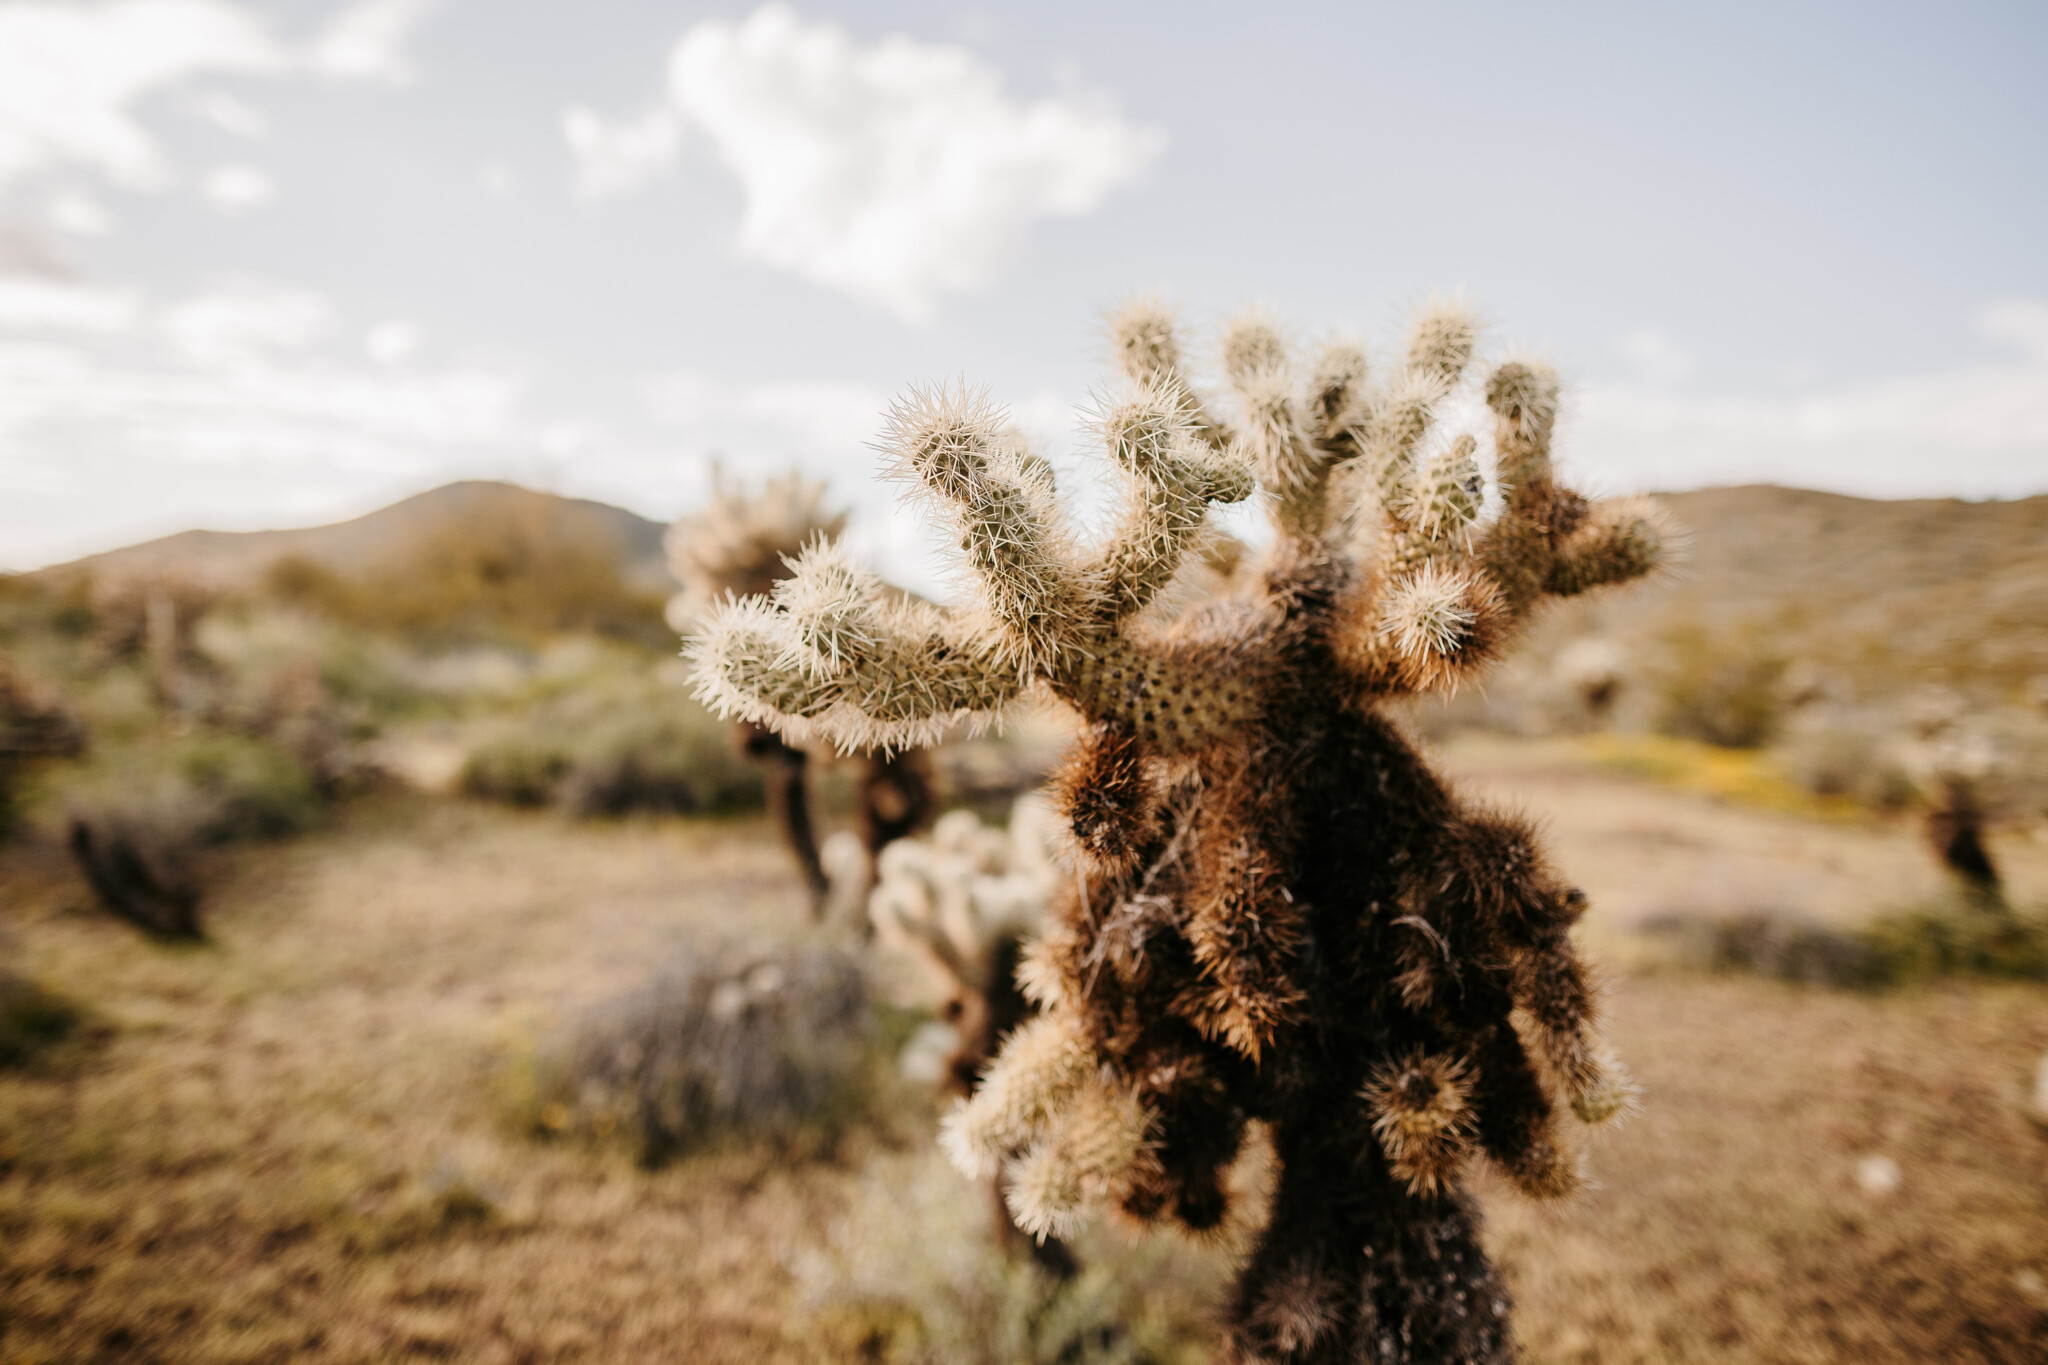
x=270, y=264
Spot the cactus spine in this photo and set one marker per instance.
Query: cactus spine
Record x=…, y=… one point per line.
x=1278, y=912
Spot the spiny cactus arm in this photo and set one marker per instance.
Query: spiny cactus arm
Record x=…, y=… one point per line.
x=1147, y=348
x=1421, y=630
x=737, y=542
x=1041, y=1067
x=1620, y=540
x=1171, y=478
x=1001, y=505
x=1098, y=1147
x=1548, y=539
x=1383, y=441
x=1292, y=466
x=1244, y=925
x=1448, y=593
x=834, y=654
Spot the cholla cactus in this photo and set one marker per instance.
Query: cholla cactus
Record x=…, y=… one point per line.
x=1278, y=911
x=958, y=905
x=741, y=544
x=737, y=544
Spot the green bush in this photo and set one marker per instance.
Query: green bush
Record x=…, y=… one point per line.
x=598, y=755
x=1959, y=935
x=1725, y=688
x=518, y=770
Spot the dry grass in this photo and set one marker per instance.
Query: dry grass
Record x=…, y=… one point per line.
x=291, y=1147
x=293, y=1144
x=1731, y=1223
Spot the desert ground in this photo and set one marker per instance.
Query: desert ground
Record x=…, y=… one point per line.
x=305, y=1140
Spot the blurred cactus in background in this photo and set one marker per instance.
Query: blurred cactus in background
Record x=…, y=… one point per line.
x=960, y=906
x=1278, y=912
x=741, y=544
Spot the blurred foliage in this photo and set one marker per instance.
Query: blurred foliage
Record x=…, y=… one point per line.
x=1725, y=687
x=614, y=749
x=910, y=1274
x=1753, y=777
x=507, y=575
x=1957, y=935
x=724, y=1044
x=138, y=820
x=33, y=1021
x=1856, y=762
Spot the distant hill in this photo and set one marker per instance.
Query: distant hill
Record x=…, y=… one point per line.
x=235, y=559
x=1891, y=593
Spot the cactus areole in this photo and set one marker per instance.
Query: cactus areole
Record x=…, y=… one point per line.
x=1276, y=912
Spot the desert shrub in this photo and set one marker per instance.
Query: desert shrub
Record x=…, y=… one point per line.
x=518, y=770
x=33, y=725
x=138, y=825
x=1960, y=935
x=258, y=789
x=676, y=762
x=33, y=1021
x=1722, y=687
x=724, y=1043
x=909, y=1274
x=616, y=755
x=1846, y=760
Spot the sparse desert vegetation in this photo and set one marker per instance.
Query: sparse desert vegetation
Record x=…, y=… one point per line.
x=308, y=1138
x=417, y=1092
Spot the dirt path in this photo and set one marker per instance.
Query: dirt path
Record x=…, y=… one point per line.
x=1642, y=850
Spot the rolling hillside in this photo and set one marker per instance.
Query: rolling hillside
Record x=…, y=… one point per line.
x=230, y=559
x=1892, y=593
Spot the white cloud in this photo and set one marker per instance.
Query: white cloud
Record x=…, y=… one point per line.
x=367, y=40
x=69, y=74
x=226, y=408
x=237, y=189
x=36, y=303
x=229, y=114
x=246, y=319
x=1976, y=430
x=79, y=214
x=896, y=172
x=617, y=158
x=391, y=341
